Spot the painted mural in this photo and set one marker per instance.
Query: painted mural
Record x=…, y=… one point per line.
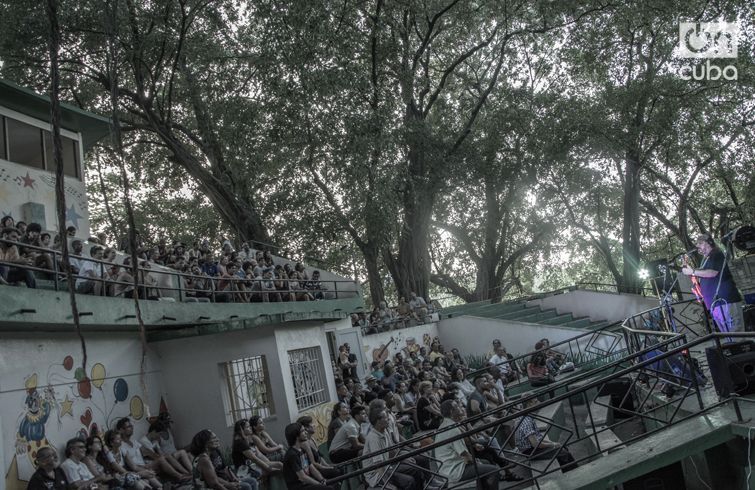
x=64, y=400
x=386, y=344
x=20, y=184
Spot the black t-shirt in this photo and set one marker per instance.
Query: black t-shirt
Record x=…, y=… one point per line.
x=294, y=461
x=237, y=451
x=727, y=291
x=427, y=420
x=40, y=481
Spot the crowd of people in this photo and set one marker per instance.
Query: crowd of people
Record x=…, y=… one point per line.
x=418, y=391
x=412, y=393
x=383, y=318
x=228, y=275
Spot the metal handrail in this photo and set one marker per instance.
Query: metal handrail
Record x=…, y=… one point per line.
x=593, y=334
x=178, y=276
x=639, y=365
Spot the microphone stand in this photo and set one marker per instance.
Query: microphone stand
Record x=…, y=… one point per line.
x=666, y=299
x=720, y=302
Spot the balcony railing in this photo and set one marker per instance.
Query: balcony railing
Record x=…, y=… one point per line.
x=169, y=283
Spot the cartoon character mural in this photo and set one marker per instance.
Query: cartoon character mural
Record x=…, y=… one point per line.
x=72, y=403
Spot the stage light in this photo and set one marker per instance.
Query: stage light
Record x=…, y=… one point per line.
x=643, y=274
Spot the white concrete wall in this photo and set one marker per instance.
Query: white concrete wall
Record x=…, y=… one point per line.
x=300, y=337
x=474, y=335
x=421, y=334
x=195, y=386
x=195, y=363
x=45, y=401
x=20, y=184
x=596, y=305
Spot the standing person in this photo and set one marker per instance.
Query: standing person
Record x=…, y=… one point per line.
x=456, y=463
x=720, y=294
x=48, y=476
x=297, y=470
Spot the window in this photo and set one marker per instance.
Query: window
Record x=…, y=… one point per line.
x=70, y=155
x=25, y=144
x=310, y=388
x=248, y=388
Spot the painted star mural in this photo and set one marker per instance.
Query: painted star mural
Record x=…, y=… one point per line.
x=73, y=216
x=28, y=181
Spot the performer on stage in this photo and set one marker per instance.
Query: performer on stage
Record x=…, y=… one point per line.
x=723, y=301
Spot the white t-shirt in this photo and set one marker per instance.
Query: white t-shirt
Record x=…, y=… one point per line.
x=76, y=471
x=501, y=362
x=89, y=269
x=145, y=442
x=133, y=452
x=167, y=446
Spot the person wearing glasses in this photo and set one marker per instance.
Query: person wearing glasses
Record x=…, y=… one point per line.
x=77, y=473
x=48, y=475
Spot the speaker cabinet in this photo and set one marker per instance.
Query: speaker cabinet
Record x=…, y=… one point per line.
x=733, y=368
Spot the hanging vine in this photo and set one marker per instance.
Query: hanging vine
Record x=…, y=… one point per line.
x=60, y=192
x=111, y=22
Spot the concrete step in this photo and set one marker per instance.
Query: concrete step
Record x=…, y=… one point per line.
x=578, y=323
x=517, y=314
x=559, y=320
x=539, y=316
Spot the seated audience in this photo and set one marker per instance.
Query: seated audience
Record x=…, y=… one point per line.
x=262, y=440
x=418, y=306
x=312, y=451
x=537, y=370
x=531, y=442
x=101, y=464
x=9, y=255
x=77, y=473
x=297, y=470
x=120, y=464
x=48, y=475
x=245, y=454
x=348, y=441
x=205, y=447
x=378, y=439
x=428, y=409
x=91, y=273
x=456, y=461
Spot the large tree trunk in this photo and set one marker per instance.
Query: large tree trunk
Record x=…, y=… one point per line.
x=371, y=263
x=631, y=230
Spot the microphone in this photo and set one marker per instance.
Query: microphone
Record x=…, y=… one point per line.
x=688, y=252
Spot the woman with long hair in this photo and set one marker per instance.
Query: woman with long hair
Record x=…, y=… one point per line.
x=207, y=471
x=100, y=462
x=243, y=453
x=148, y=478
x=262, y=440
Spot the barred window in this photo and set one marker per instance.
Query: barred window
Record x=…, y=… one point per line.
x=249, y=390
x=310, y=387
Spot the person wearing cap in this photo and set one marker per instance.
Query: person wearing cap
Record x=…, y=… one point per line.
x=720, y=294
